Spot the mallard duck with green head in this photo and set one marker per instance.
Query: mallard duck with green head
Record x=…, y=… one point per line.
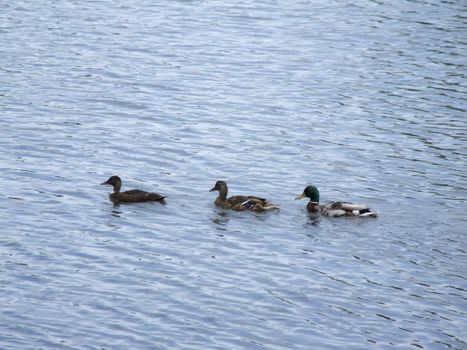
x=240, y=203
x=131, y=196
x=334, y=209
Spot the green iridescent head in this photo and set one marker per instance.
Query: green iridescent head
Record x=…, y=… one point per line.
x=310, y=192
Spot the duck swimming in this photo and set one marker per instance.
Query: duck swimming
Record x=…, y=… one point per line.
x=240, y=203
x=334, y=209
x=132, y=196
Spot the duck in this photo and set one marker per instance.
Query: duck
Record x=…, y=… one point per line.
x=240, y=203
x=131, y=196
x=334, y=209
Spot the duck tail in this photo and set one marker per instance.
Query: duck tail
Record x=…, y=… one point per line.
x=161, y=200
x=371, y=214
x=270, y=206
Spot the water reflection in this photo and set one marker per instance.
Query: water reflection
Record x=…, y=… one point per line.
x=116, y=213
x=221, y=219
x=313, y=220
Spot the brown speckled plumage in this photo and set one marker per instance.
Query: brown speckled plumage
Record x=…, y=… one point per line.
x=131, y=196
x=240, y=203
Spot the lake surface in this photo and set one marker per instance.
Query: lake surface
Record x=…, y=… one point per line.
x=364, y=99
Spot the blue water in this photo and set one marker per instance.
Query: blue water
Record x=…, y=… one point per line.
x=364, y=99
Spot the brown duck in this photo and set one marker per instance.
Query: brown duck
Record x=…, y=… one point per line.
x=131, y=196
x=240, y=203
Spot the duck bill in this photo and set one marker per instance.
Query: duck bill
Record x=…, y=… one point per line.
x=105, y=183
x=301, y=196
x=213, y=189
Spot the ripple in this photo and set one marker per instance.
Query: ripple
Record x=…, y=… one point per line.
x=366, y=100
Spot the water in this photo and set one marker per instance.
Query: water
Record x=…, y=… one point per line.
x=365, y=99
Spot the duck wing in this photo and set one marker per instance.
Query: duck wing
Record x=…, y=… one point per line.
x=252, y=203
x=134, y=192
x=234, y=200
x=352, y=206
x=336, y=209
x=140, y=196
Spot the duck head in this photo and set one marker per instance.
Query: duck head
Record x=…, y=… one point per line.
x=115, y=182
x=310, y=192
x=221, y=187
